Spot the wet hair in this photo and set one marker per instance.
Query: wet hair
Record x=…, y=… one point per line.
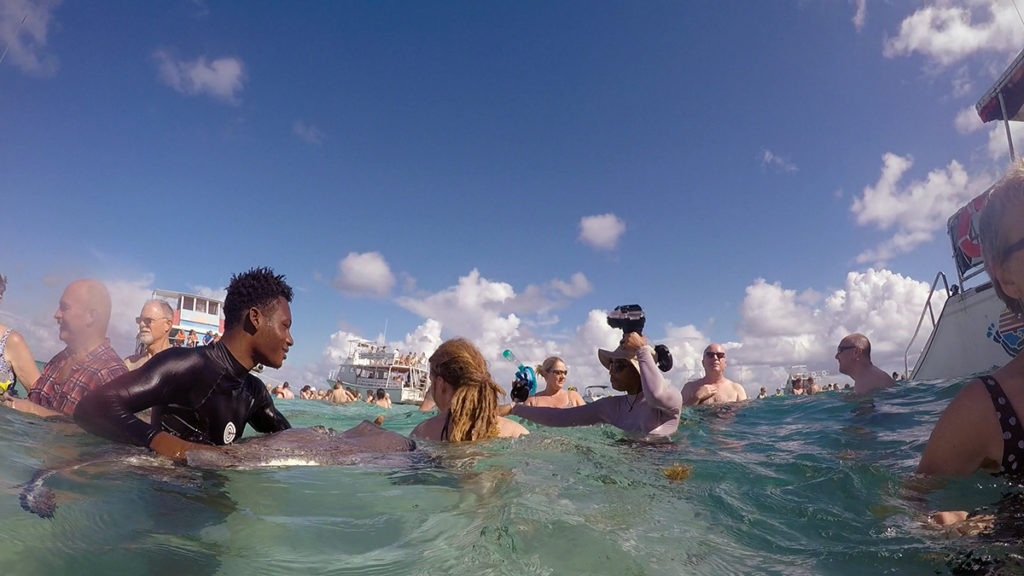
x=1007, y=192
x=381, y=393
x=549, y=363
x=474, y=406
x=257, y=288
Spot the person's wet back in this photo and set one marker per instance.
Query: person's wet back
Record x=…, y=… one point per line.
x=203, y=396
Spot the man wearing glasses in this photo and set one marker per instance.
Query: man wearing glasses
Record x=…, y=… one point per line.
x=854, y=356
x=714, y=387
x=154, y=323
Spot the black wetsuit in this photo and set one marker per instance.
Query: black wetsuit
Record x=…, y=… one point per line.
x=202, y=395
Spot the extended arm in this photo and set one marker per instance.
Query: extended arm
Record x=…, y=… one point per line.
x=585, y=415
x=657, y=391
x=18, y=355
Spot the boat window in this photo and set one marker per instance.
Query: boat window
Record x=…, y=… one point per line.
x=200, y=305
x=188, y=303
x=214, y=308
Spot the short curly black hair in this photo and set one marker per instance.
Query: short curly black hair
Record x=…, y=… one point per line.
x=257, y=288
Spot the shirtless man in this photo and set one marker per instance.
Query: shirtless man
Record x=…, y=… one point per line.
x=86, y=362
x=203, y=396
x=154, y=323
x=714, y=387
x=854, y=356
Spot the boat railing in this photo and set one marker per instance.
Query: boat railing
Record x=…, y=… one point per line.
x=930, y=311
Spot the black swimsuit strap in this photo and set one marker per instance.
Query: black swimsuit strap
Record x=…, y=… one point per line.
x=1009, y=423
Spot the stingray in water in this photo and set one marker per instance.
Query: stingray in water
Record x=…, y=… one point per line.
x=316, y=446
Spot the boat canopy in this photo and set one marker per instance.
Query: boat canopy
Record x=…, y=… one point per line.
x=1011, y=86
x=963, y=233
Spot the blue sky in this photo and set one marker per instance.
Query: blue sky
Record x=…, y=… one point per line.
x=769, y=175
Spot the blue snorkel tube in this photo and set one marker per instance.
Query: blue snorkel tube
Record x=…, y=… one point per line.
x=526, y=379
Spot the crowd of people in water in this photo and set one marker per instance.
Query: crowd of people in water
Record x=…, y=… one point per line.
x=339, y=394
x=202, y=397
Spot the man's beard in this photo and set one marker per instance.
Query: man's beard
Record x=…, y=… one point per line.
x=146, y=338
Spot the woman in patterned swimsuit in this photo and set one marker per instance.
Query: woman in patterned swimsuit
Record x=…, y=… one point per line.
x=15, y=358
x=981, y=429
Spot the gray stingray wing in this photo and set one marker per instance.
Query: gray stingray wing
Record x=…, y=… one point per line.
x=316, y=446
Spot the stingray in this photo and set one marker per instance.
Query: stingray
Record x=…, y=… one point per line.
x=366, y=443
x=316, y=446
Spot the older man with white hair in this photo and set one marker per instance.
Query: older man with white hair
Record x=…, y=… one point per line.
x=154, y=321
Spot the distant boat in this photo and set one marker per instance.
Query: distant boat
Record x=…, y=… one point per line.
x=592, y=393
x=202, y=314
x=370, y=367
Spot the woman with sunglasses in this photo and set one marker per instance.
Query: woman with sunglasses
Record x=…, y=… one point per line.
x=649, y=409
x=466, y=398
x=981, y=427
x=555, y=394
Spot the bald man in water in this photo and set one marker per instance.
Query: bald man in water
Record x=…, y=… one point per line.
x=854, y=356
x=714, y=387
x=87, y=360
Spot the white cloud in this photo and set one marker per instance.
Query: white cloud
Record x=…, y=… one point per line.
x=967, y=121
x=962, y=85
x=475, y=308
x=601, y=232
x=778, y=330
x=24, y=30
x=212, y=293
x=222, y=79
x=771, y=160
x=307, y=132
x=365, y=274
x=860, y=17
x=998, y=148
x=127, y=297
x=948, y=32
x=916, y=210
x=577, y=286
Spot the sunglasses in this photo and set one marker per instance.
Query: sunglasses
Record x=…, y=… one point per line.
x=842, y=349
x=718, y=355
x=560, y=372
x=146, y=321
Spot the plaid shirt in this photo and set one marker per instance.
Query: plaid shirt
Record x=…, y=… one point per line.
x=101, y=366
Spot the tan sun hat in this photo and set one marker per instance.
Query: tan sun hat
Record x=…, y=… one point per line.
x=606, y=357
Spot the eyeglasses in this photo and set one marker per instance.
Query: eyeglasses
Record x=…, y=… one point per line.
x=146, y=321
x=1013, y=249
x=560, y=372
x=718, y=355
x=842, y=349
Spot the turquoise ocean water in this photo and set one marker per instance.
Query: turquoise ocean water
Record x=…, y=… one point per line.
x=787, y=485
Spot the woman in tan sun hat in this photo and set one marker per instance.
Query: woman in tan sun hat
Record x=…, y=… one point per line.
x=649, y=408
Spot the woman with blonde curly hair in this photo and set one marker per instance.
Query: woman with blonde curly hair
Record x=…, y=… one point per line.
x=466, y=397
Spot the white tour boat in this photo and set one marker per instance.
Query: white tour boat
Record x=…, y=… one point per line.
x=371, y=367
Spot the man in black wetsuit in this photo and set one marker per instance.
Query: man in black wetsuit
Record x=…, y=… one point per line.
x=203, y=396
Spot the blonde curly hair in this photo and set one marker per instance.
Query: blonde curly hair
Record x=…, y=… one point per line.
x=474, y=407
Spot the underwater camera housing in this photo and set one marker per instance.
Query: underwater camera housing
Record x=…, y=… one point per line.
x=630, y=318
x=526, y=382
